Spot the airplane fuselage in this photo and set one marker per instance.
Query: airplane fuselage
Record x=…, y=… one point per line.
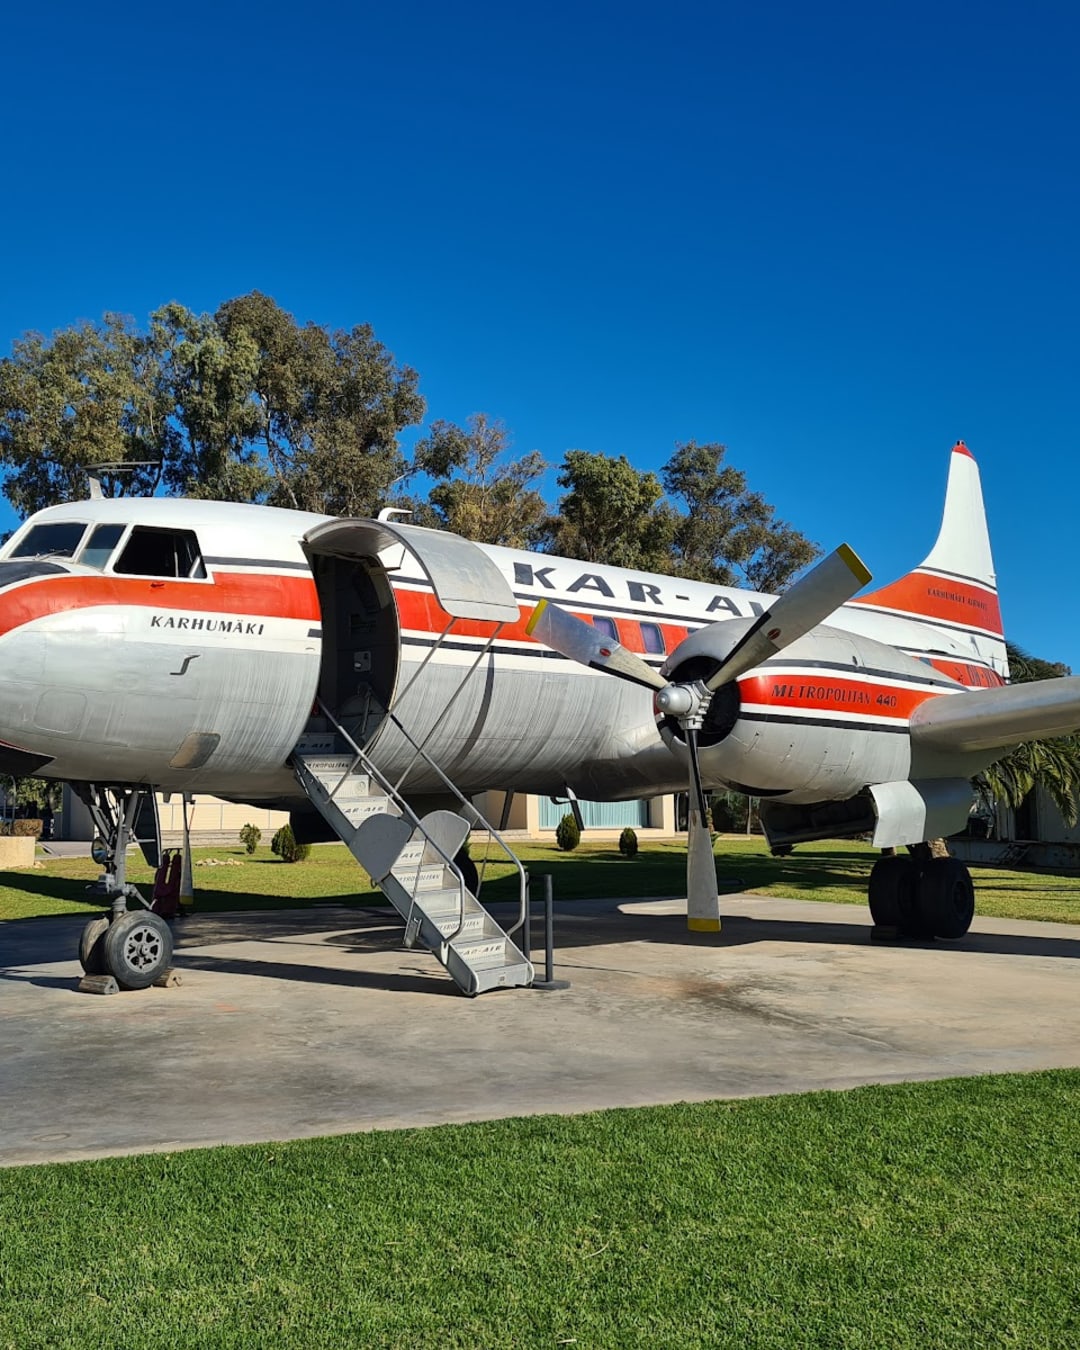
x=186, y=649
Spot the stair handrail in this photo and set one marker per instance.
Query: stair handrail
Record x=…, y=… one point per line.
x=359, y=757
x=475, y=814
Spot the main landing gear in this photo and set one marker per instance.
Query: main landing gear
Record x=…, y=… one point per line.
x=133, y=946
x=921, y=896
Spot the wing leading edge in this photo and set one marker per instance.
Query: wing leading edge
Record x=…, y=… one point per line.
x=985, y=719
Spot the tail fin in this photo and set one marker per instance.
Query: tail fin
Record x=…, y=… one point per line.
x=955, y=589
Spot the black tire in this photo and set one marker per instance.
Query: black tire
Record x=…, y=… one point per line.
x=946, y=898
x=138, y=949
x=92, y=946
x=893, y=884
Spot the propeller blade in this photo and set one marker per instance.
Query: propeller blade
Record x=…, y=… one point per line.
x=581, y=642
x=702, y=898
x=801, y=607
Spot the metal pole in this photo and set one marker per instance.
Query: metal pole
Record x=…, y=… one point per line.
x=187, y=884
x=549, y=982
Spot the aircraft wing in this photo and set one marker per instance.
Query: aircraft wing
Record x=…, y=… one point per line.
x=983, y=719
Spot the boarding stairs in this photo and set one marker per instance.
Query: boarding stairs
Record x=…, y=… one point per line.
x=411, y=860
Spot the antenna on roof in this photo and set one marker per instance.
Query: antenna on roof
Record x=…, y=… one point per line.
x=94, y=472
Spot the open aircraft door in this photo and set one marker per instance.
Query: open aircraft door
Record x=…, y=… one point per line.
x=356, y=564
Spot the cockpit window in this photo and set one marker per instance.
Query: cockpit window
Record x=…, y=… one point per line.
x=58, y=540
x=100, y=545
x=161, y=553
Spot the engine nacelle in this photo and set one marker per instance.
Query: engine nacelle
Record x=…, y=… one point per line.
x=818, y=722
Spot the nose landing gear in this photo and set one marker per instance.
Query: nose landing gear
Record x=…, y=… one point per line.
x=133, y=946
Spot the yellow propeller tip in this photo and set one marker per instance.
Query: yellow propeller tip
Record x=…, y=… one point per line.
x=854, y=564
x=541, y=605
x=703, y=925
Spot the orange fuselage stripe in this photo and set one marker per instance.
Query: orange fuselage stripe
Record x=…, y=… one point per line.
x=827, y=693
x=246, y=593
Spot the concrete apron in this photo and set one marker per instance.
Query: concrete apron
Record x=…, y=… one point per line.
x=301, y=1023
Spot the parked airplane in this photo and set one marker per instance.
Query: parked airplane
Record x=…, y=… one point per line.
x=363, y=672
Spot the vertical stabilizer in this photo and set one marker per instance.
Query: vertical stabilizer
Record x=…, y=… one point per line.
x=955, y=589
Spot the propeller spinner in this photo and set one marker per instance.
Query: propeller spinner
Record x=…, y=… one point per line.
x=792, y=615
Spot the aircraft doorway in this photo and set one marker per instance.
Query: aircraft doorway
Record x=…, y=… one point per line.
x=360, y=642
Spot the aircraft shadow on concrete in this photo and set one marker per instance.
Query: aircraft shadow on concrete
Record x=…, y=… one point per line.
x=582, y=924
x=579, y=925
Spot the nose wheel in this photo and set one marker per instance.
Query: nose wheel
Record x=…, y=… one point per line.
x=133, y=946
x=921, y=898
x=137, y=949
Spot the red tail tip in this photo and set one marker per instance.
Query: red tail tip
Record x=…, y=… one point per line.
x=961, y=449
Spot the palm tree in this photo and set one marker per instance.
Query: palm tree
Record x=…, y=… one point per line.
x=1053, y=765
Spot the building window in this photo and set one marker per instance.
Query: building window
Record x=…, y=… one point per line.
x=653, y=639
x=161, y=553
x=606, y=626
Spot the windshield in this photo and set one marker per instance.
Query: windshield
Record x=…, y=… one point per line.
x=51, y=541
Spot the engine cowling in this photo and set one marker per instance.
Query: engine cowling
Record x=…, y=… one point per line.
x=821, y=720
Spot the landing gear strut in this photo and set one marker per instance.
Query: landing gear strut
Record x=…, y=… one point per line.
x=921, y=896
x=134, y=947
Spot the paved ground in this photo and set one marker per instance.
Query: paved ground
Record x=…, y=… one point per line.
x=305, y=1023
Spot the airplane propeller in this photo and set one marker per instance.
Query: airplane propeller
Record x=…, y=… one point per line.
x=792, y=615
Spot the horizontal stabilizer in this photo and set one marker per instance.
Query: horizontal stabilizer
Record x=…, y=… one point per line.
x=985, y=719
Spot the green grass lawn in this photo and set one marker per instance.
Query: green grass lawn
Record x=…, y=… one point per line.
x=829, y=871
x=918, y=1215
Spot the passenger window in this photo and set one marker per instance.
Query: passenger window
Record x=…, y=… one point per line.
x=59, y=540
x=653, y=639
x=100, y=545
x=161, y=553
x=607, y=627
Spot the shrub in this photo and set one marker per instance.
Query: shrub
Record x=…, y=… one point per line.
x=628, y=843
x=24, y=827
x=567, y=834
x=285, y=846
x=250, y=836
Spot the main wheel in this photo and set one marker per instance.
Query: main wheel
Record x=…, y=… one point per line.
x=893, y=883
x=137, y=949
x=946, y=897
x=92, y=946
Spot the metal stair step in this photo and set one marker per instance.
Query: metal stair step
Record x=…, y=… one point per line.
x=428, y=877
x=443, y=900
x=516, y=974
x=356, y=811
x=411, y=854
x=472, y=926
x=321, y=765
x=482, y=953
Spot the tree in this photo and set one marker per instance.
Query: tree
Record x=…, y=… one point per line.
x=212, y=377
x=330, y=407
x=94, y=394
x=727, y=534
x=611, y=513
x=480, y=493
x=243, y=405
x=1051, y=764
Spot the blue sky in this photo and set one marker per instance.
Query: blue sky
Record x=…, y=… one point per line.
x=835, y=237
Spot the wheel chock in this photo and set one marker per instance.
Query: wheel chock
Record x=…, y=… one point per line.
x=98, y=984
x=168, y=979
x=885, y=933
